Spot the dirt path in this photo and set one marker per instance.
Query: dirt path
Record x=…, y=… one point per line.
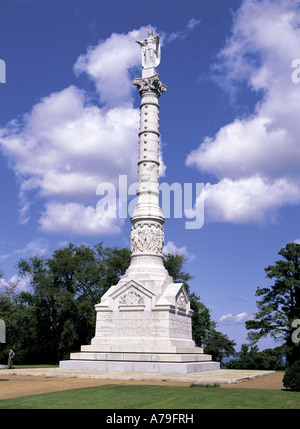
x=272, y=381
x=12, y=386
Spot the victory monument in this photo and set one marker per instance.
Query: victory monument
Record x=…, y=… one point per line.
x=144, y=322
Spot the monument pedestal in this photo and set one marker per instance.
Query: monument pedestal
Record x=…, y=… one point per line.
x=138, y=330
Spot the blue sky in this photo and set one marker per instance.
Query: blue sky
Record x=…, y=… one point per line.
x=230, y=119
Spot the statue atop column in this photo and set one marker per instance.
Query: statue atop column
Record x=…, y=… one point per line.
x=150, y=54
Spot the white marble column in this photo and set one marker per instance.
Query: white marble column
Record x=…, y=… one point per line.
x=147, y=233
x=144, y=322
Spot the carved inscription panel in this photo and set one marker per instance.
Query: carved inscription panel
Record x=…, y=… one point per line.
x=130, y=324
x=180, y=327
x=143, y=324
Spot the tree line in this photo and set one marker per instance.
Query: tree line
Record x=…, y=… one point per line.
x=277, y=316
x=56, y=314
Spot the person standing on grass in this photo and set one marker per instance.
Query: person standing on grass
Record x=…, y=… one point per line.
x=11, y=356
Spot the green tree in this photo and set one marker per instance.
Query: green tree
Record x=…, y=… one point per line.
x=56, y=314
x=291, y=378
x=65, y=289
x=279, y=304
x=203, y=327
x=201, y=319
x=174, y=266
x=218, y=344
x=7, y=314
x=251, y=358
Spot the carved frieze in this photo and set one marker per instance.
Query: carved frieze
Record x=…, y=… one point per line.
x=181, y=301
x=132, y=297
x=147, y=237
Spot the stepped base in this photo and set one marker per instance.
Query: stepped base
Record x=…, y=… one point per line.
x=132, y=359
x=108, y=348
x=141, y=357
x=135, y=366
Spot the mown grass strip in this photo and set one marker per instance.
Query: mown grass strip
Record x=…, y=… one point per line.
x=157, y=397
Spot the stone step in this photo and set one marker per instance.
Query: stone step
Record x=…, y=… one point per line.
x=125, y=348
x=141, y=357
x=143, y=342
x=139, y=367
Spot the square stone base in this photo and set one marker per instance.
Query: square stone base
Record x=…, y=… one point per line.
x=134, y=366
x=140, y=331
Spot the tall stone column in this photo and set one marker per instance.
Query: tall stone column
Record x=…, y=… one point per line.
x=144, y=322
x=147, y=234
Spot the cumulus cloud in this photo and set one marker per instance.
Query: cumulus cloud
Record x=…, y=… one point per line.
x=256, y=159
x=77, y=219
x=36, y=247
x=67, y=145
x=229, y=319
x=247, y=200
x=171, y=248
x=19, y=284
x=182, y=34
x=109, y=64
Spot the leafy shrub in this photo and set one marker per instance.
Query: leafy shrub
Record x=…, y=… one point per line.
x=269, y=359
x=291, y=378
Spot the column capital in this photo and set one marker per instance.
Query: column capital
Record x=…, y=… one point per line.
x=150, y=84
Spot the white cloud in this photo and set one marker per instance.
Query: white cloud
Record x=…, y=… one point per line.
x=248, y=147
x=171, y=248
x=109, y=63
x=256, y=159
x=182, y=34
x=36, y=247
x=73, y=218
x=66, y=146
x=229, y=319
x=247, y=200
x=22, y=283
x=3, y=257
x=16, y=283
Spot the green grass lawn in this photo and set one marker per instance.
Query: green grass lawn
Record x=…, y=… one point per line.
x=115, y=397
